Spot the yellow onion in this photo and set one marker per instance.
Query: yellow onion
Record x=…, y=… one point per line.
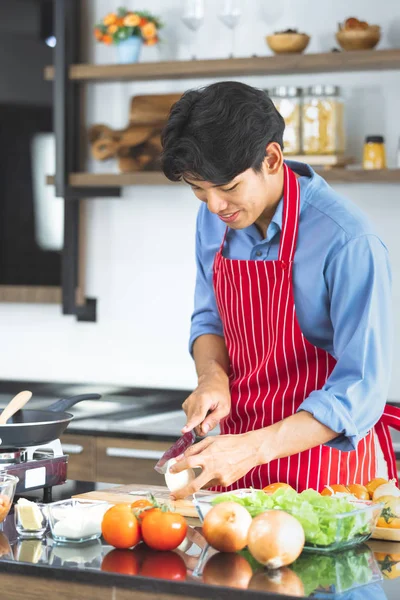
x=230, y=570
x=226, y=526
x=275, y=539
x=386, y=489
x=279, y=581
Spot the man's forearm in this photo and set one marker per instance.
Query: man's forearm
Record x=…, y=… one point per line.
x=294, y=434
x=210, y=356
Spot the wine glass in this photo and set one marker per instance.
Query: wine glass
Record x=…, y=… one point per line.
x=230, y=15
x=193, y=17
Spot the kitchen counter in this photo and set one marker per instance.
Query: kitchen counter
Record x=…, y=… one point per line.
x=96, y=571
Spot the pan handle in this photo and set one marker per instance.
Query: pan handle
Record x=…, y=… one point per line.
x=66, y=403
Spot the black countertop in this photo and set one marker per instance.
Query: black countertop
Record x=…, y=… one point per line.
x=123, y=411
x=189, y=573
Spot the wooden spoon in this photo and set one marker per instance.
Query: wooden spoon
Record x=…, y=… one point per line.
x=14, y=406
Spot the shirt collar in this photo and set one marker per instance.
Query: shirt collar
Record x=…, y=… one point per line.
x=306, y=174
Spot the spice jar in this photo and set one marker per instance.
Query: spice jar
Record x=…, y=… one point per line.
x=322, y=120
x=374, y=152
x=288, y=103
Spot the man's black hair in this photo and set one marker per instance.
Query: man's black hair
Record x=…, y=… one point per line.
x=216, y=132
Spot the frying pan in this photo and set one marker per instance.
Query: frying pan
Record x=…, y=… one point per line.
x=38, y=427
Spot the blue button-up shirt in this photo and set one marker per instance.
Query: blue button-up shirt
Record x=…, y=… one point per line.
x=342, y=292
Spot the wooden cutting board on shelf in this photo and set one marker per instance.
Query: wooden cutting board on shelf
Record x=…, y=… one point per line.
x=130, y=493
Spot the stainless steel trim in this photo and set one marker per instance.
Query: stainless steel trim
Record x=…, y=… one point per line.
x=38, y=422
x=134, y=453
x=72, y=448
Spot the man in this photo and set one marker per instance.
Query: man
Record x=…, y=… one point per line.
x=291, y=331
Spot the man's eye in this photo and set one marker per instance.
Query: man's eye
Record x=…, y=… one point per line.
x=230, y=189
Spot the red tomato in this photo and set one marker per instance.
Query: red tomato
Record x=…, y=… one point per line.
x=143, y=507
x=164, y=565
x=163, y=530
x=120, y=527
x=120, y=561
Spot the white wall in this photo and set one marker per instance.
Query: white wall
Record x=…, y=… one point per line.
x=140, y=247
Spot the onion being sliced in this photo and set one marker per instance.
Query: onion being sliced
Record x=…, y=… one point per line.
x=275, y=539
x=226, y=526
x=177, y=481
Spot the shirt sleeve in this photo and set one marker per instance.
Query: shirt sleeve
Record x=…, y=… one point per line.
x=205, y=317
x=359, y=286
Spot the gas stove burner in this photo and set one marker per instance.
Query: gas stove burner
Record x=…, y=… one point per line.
x=11, y=456
x=37, y=467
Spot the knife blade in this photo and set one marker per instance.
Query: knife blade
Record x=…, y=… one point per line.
x=179, y=447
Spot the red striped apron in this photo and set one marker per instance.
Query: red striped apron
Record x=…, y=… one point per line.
x=274, y=367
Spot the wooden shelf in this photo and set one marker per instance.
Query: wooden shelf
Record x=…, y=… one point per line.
x=335, y=175
x=284, y=64
x=33, y=294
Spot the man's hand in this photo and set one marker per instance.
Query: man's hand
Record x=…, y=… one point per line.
x=222, y=458
x=208, y=404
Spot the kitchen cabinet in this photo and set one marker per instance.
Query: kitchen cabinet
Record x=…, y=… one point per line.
x=114, y=460
x=81, y=450
x=129, y=461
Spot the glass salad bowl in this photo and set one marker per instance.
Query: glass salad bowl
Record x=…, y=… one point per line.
x=329, y=523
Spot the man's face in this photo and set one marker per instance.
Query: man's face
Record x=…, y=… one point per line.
x=239, y=203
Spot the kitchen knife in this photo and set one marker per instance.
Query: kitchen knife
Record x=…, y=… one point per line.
x=175, y=450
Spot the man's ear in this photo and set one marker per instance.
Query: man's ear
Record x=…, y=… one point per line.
x=273, y=158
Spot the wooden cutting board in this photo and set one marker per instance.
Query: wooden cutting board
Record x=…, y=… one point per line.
x=130, y=493
x=385, y=533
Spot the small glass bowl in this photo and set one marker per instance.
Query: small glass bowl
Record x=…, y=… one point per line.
x=8, y=484
x=76, y=521
x=20, y=526
x=31, y=550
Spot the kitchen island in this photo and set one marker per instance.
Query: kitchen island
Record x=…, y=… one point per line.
x=97, y=571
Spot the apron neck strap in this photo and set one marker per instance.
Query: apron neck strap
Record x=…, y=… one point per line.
x=223, y=241
x=290, y=217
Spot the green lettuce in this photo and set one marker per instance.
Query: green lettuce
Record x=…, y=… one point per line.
x=317, y=514
x=336, y=572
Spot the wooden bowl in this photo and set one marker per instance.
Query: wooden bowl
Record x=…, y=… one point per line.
x=288, y=43
x=358, y=39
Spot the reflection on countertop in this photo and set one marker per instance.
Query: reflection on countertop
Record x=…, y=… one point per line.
x=364, y=572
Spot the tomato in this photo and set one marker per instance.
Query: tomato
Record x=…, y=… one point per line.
x=120, y=561
x=272, y=487
x=163, y=530
x=143, y=507
x=374, y=483
x=359, y=491
x=120, y=527
x=336, y=487
x=390, y=515
x=164, y=565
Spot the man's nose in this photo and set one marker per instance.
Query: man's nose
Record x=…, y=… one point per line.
x=215, y=203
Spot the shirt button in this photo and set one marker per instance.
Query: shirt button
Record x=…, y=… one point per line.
x=258, y=253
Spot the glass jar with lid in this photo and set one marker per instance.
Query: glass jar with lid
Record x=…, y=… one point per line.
x=322, y=120
x=374, y=156
x=287, y=100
